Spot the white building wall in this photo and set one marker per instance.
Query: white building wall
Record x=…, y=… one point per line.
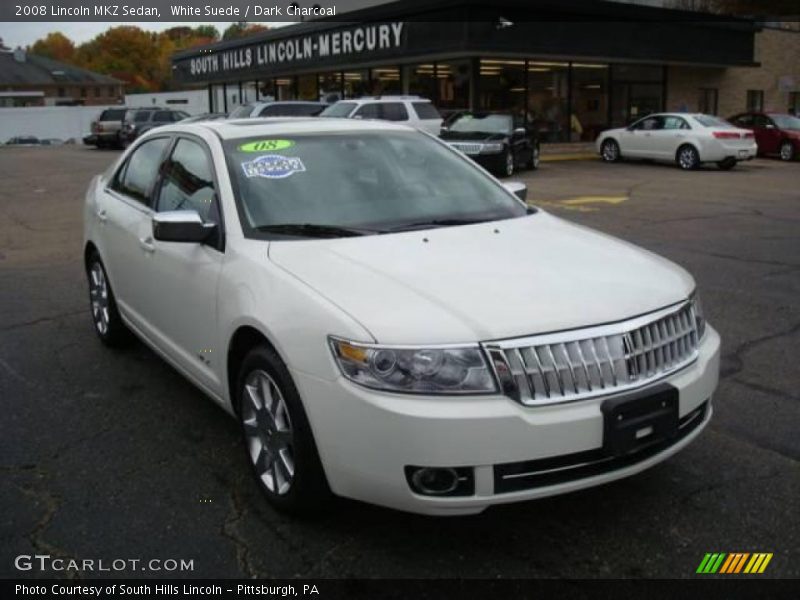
x=194, y=102
x=62, y=122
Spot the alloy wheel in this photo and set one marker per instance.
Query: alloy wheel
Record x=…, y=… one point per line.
x=98, y=294
x=787, y=151
x=509, y=163
x=610, y=151
x=268, y=432
x=687, y=158
x=536, y=157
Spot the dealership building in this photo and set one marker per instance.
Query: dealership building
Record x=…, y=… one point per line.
x=571, y=69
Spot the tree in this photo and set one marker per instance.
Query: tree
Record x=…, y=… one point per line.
x=241, y=29
x=127, y=53
x=54, y=45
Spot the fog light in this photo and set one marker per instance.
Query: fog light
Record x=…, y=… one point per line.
x=441, y=481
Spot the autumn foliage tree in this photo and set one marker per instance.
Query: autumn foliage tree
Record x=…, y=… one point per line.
x=140, y=58
x=56, y=46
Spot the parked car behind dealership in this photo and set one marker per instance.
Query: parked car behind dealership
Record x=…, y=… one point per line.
x=687, y=139
x=139, y=120
x=287, y=108
x=409, y=110
x=390, y=323
x=776, y=133
x=494, y=140
x=106, y=128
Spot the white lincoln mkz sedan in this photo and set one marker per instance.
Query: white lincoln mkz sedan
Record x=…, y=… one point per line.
x=687, y=139
x=390, y=323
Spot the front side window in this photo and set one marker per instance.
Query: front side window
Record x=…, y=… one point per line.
x=340, y=109
x=378, y=181
x=649, y=124
x=163, y=116
x=369, y=111
x=141, y=116
x=136, y=178
x=188, y=182
x=482, y=123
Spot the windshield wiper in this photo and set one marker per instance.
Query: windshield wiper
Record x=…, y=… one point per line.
x=314, y=230
x=437, y=223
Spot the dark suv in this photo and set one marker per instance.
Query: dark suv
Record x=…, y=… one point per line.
x=106, y=128
x=139, y=120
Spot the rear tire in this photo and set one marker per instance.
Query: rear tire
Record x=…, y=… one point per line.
x=787, y=151
x=687, y=158
x=533, y=163
x=107, y=321
x=278, y=440
x=609, y=151
x=727, y=164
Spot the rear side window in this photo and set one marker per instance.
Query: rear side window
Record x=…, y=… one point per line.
x=426, y=110
x=393, y=111
x=188, y=182
x=137, y=176
x=112, y=114
x=142, y=116
x=709, y=121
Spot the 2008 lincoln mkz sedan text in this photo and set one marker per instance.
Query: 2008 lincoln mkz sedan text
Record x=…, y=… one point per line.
x=389, y=322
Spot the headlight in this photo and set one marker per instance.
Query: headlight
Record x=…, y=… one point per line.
x=699, y=317
x=492, y=148
x=424, y=370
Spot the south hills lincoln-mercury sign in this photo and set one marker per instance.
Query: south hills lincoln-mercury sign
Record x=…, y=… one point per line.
x=294, y=51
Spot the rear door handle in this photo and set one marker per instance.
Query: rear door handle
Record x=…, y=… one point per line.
x=102, y=215
x=147, y=244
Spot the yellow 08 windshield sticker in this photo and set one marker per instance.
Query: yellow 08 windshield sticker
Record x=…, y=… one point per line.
x=266, y=145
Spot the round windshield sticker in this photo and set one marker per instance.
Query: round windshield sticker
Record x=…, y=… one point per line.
x=266, y=145
x=273, y=166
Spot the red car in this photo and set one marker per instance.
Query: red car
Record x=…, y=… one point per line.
x=775, y=133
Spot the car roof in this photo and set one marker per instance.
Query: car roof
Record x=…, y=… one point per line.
x=399, y=98
x=240, y=128
x=271, y=102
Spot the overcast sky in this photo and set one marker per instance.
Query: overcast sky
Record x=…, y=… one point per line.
x=24, y=34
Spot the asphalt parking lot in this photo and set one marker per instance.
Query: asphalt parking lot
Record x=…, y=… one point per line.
x=110, y=455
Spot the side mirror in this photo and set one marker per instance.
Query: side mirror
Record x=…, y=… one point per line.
x=181, y=226
x=519, y=189
x=769, y=126
x=520, y=131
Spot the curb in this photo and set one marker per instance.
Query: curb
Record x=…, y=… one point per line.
x=573, y=156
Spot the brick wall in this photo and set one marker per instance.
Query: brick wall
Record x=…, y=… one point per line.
x=776, y=50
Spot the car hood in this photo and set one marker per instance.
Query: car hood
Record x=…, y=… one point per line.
x=486, y=281
x=471, y=136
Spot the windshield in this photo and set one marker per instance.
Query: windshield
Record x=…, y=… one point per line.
x=786, y=121
x=340, y=109
x=367, y=181
x=709, y=121
x=482, y=123
x=242, y=111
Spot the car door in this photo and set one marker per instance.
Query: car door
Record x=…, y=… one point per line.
x=520, y=143
x=183, y=277
x=635, y=141
x=666, y=140
x=768, y=136
x=124, y=215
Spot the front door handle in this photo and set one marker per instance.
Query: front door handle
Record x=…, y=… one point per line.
x=147, y=244
x=102, y=215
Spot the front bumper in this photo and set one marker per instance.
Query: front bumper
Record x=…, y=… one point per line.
x=367, y=438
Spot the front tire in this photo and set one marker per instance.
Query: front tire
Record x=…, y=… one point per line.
x=609, y=151
x=107, y=321
x=687, y=158
x=787, y=151
x=727, y=164
x=278, y=439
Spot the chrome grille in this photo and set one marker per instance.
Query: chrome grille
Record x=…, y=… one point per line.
x=467, y=148
x=574, y=365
